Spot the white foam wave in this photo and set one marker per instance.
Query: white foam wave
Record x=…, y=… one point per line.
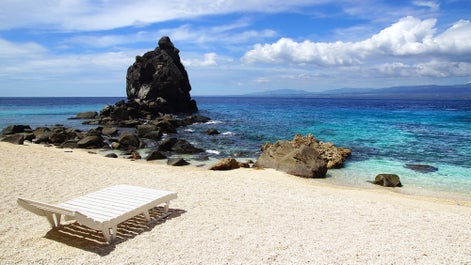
x=214, y=152
x=214, y=122
x=228, y=133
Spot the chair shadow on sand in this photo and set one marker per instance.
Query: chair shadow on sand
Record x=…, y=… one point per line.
x=91, y=240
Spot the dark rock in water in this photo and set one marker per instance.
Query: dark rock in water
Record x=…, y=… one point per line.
x=212, y=131
x=388, y=180
x=144, y=129
x=165, y=126
x=303, y=161
x=14, y=139
x=156, y=155
x=177, y=162
x=421, y=168
x=128, y=140
x=86, y=115
x=12, y=129
x=167, y=144
x=93, y=141
x=228, y=164
x=159, y=77
x=109, y=131
x=154, y=135
x=185, y=147
x=111, y=155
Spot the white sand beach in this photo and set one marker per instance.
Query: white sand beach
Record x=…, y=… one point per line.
x=243, y=216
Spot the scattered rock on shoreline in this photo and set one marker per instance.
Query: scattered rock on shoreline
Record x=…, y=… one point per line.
x=303, y=161
x=388, y=180
x=303, y=156
x=228, y=164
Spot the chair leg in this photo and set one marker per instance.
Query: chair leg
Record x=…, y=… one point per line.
x=147, y=215
x=107, y=234
x=54, y=219
x=167, y=205
x=50, y=218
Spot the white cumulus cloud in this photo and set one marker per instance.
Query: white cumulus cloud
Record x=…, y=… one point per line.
x=408, y=37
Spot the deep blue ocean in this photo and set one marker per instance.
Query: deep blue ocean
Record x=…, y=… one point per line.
x=384, y=135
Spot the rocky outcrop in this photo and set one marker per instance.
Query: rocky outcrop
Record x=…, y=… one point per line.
x=302, y=161
x=335, y=156
x=159, y=80
x=303, y=156
x=388, y=180
x=156, y=84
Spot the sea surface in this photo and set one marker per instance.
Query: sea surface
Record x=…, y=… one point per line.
x=384, y=135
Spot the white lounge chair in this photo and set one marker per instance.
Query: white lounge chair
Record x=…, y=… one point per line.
x=103, y=210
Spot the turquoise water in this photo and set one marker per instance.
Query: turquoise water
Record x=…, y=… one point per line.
x=384, y=135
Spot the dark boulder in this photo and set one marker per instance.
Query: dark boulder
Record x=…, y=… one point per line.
x=212, y=131
x=154, y=135
x=14, y=139
x=57, y=137
x=92, y=141
x=42, y=137
x=109, y=131
x=167, y=144
x=165, y=126
x=111, y=155
x=303, y=160
x=13, y=129
x=145, y=129
x=388, y=180
x=421, y=168
x=155, y=155
x=70, y=144
x=177, y=162
x=128, y=140
x=185, y=147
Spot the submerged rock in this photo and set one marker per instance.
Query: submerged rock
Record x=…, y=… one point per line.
x=421, y=168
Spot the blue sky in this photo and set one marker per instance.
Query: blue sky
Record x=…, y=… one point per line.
x=83, y=48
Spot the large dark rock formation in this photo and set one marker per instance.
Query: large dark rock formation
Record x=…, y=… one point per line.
x=156, y=84
x=159, y=79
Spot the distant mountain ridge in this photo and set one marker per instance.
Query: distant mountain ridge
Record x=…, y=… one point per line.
x=449, y=92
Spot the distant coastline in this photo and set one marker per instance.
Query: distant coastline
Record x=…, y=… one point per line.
x=422, y=92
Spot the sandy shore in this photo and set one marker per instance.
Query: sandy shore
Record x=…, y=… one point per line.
x=242, y=216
